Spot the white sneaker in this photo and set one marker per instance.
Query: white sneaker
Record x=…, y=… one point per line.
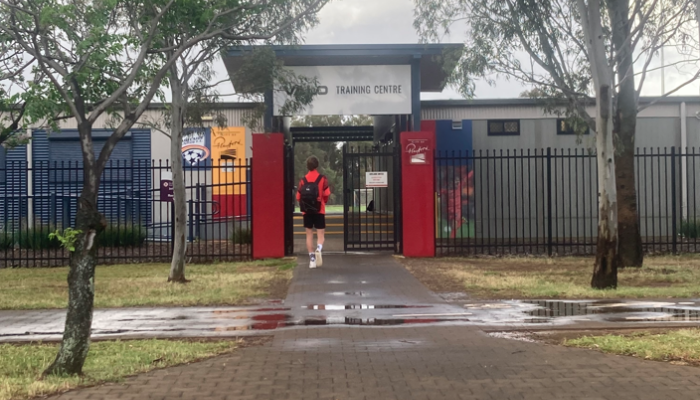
x=319, y=258
x=312, y=264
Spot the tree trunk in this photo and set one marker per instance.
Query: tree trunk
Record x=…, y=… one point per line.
x=177, y=265
x=81, y=280
x=625, y=123
x=607, y=258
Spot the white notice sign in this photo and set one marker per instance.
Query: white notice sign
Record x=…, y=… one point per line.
x=355, y=90
x=376, y=179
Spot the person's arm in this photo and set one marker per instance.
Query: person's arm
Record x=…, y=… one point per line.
x=301, y=182
x=326, y=190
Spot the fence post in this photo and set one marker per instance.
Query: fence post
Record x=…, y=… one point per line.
x=549, y=201
x=674, y=231
x=190, y=225
x=172, y=228
x=52, y=209
x=65, y=203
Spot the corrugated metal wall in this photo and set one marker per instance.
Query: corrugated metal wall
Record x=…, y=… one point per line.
x=13, y=178
x=58, y=177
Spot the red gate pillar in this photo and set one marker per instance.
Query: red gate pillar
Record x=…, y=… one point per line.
x=417, y=177
x=268, y=195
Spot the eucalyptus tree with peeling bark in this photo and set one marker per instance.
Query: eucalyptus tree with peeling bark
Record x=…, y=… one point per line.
x=106, y=57
x=541, y=43
x=605, y=270
x=193, y=94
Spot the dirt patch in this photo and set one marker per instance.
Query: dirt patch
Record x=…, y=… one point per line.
x=278, y=287
x=434, y=275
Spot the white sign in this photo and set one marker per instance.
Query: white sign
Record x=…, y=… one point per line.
x=355, y=90
x=376, y=179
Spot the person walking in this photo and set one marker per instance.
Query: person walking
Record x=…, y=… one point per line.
x=312, y=195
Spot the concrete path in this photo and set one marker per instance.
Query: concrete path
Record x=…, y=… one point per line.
x=406, y=361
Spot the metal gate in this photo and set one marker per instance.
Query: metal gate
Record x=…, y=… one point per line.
x=289, y=200
x=372, y=204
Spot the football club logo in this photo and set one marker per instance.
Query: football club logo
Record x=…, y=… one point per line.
x=195, y=153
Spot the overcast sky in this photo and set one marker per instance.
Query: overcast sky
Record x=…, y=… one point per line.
x=391, y=21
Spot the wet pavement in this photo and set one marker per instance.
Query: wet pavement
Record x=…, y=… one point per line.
x=365, y=328
x=367, y=291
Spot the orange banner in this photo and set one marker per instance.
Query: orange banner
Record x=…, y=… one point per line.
x=227, y=153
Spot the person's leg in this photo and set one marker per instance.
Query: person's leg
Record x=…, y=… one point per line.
x=309, y=225
x=320, y=224
x=321, y=233
x=310, y=240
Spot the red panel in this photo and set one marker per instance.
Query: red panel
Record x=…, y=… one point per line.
x=268, y=195
x=417, y=159
x=428, y=126
x=231, y=205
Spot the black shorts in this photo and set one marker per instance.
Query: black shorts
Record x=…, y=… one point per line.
x=312, y=221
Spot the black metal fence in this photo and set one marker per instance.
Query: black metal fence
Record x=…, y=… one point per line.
x=545, y=201
x=134, y=198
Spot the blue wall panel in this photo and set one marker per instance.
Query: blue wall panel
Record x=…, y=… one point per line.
x=125, y=183
x=450, y=139
x=13, y=178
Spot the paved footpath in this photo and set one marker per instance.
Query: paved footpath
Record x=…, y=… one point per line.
x=409, y=361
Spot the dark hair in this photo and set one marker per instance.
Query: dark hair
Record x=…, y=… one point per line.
x=312, y=163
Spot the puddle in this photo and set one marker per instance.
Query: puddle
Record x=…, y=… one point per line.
x=278, y=321
x=613, y=311
x=337, y=307
x=360, y=294
x=252, y=310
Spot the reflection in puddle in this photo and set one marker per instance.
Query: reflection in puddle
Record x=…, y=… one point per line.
x=336, y=307
x=277, y=321
x=360, y=294
x=614, y=311
x=253, y=310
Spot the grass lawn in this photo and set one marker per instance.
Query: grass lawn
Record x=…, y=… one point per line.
x=21, y=365
x=677, y=346
x=564, y=278
x=146, y=285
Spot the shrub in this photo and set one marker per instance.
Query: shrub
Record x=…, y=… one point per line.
x=690, y=229
x=36, y=238
x=122, y=235
x=242, y=236
x=6, y=240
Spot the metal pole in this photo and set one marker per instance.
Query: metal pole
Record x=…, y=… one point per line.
x=674, y=231
x=684, y=162
x=549, y=201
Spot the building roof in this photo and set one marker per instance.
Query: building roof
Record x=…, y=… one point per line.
x=436, y=60
x=466, y=103
x=524, y=101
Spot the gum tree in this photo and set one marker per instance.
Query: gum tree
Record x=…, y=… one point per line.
x=107, y=57
x=542, y=43
x=190, y=77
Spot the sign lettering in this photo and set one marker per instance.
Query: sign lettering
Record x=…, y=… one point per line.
x=354, y=90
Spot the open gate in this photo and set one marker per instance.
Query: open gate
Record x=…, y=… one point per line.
x=372, y=201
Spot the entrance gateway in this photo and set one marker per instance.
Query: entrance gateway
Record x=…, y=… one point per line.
x=382, y=81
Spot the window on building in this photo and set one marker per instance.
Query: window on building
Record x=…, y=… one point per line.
x=565, y=128
x=504, y=127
